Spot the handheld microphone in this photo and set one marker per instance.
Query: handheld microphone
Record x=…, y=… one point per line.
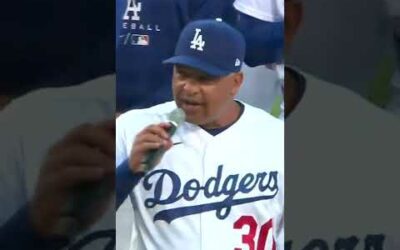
x=175, y=118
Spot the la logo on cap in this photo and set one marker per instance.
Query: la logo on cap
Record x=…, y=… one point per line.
x=237, y=62
x=197, y=42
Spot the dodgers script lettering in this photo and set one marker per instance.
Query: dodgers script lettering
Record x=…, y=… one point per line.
x=217, y=186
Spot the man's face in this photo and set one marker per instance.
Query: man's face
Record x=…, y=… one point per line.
x=204, y=98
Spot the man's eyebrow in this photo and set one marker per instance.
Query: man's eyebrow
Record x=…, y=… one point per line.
x=207, y=77
x=195, y=74
x=183, y=71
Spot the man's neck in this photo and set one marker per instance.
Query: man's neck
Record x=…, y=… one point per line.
x=231, y=115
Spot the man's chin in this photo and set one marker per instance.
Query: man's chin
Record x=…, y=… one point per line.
x=194, y=120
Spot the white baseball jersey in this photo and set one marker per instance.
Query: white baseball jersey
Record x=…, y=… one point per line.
x=266, y=10
x=25, y=140
x=209, y=192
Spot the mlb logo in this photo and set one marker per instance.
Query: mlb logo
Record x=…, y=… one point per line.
x=142, y=40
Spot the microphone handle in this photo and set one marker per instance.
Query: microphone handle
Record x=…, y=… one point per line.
x=153, y=155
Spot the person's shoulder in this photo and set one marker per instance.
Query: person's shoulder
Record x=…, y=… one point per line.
x=146, y=114
x=329, y=92
x=340, y=101
x=333, y=104
x=259, y=113
x=61, y=106
x=98, y=87
x=257, y=116
x=330, y=95
x=264, y=128
x=95, y=90
x=159, y=109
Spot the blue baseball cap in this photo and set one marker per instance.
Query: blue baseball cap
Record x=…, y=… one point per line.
x=211, y=46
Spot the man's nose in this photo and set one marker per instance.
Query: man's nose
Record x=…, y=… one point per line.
x=190, y=86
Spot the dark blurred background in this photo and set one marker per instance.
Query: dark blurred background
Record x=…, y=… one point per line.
x=51, y=43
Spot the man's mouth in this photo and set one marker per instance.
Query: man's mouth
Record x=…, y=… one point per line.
x=189, y=104
x=189, y=101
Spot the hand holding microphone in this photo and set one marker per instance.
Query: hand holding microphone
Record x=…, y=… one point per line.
x=76, y=182
x=153, y=142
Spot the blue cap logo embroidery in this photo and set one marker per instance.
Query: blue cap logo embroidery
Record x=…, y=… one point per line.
x=197, y=42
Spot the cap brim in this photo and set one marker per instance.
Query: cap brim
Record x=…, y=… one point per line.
x=197, y=64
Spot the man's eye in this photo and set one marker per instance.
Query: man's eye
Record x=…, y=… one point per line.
x=203, y=80
x=206, y=79
x=180, y=76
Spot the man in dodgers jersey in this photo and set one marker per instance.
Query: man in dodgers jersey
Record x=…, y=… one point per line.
x=219, y=184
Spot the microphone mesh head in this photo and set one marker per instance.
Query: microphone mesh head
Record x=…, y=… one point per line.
x=177, y=116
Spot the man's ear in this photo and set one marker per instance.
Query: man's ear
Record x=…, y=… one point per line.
x=293, y=19
x=238, y=80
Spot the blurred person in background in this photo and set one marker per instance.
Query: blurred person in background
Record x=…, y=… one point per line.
x=146, y=34
x=341, y=155
x=261, y=23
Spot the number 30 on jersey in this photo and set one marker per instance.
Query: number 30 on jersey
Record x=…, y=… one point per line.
x=263, y=231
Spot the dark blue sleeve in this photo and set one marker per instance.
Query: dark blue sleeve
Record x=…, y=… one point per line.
x=125, y=182
x=208, y=9
x=215, y=8
x=18, y=233
x=264, y=40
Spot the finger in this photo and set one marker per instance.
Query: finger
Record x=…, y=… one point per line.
x=149, y=137
x=165, y=125
x=73, y=176
x=146, y=146
x=167, y=144
x=159, y=130
x=79, y=154
x=93, y=136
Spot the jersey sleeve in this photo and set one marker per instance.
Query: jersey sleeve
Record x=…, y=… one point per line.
x=214, y=9
x=269, y=11
x=120, y=142
x=127, y=126
x=124, y=216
